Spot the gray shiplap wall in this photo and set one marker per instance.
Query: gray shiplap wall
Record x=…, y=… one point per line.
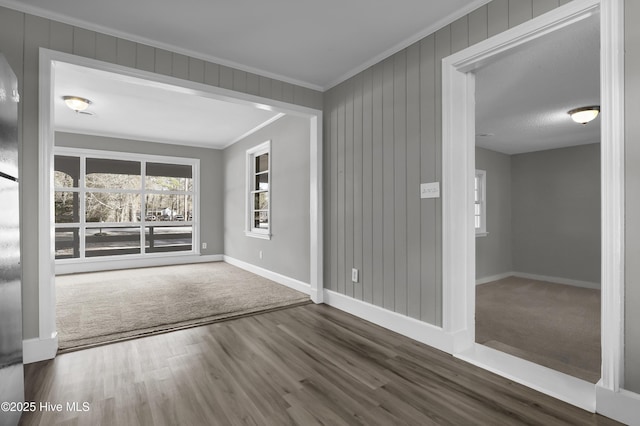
x=21, y=37
x=382, y=138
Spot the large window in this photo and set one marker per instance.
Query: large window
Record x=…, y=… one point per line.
x=480, y=202
x=258, y=191
x=114, y=204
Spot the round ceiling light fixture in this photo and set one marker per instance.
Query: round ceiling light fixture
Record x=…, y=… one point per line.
x=585, y=114
x=76, y=103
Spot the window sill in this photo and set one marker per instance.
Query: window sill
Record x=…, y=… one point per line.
x=481, y=234
x=257, y=235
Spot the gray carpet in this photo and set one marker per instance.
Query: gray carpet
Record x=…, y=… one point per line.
x=554, y=325
x=102, y=307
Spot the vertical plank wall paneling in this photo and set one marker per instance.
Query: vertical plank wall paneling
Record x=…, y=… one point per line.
x=383, y=137
x=21, y=37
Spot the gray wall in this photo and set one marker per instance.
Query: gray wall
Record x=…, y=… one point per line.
x=21, y=36
x=211, y=176
x=556, y=212
x=382, y=138
x=287, y=252
x=632, y=196
x=493, y=251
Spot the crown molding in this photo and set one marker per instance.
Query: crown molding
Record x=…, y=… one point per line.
x=408, y=42
x=43, y=13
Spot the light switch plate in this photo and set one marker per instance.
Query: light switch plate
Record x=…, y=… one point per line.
x=430, y=190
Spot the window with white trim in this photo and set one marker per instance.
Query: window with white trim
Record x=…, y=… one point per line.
x=115, y=204
x=480, y=202
x=258, y=220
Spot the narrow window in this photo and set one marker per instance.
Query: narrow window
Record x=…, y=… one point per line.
x=258, y=191
x=480, y=204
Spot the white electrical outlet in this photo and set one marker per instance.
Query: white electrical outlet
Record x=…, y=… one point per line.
x=354, y=275
x=260, y=254
x=204, y=246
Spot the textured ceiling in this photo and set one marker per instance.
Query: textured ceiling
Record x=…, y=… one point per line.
x=313, y=43
x=522, y=99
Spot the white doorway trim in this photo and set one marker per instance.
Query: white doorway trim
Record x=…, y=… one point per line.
x=458, y=144
x=45, y=346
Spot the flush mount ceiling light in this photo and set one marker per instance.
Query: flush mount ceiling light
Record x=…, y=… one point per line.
x=76, y=103
x=585, y=114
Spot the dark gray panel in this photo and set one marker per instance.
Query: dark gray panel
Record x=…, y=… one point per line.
x=341, y=236
x=106, y=48
x=413, y=181
x=367, y=189
x=478, y=25
x=378, y=178
x=348, y=189
x=428, y=225
x=388, y=185
x=357, y=182
x=497, y=16
x=196, y=70
x=400, y=180
x=460, y=34
x=145, y=57
x=84, y=42
x=180, y=67
x=543, y=6
x=519, y=11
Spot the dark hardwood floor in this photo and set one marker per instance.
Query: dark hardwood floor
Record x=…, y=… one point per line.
x=305, y=365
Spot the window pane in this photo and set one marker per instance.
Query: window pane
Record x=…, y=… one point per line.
x=67, y=243
x=113, y=174
x=168, y=238
x=262, y=163
x=112, y=207
x=169, y=177
x=112, y=241
x=261, y=201
x=66, y=171
x=66, y=207
x=168, y=207
x=261, y=220
x=262, y=182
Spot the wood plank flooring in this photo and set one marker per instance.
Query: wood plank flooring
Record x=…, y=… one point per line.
x=305, y=365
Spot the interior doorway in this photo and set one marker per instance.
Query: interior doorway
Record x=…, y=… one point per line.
x=459, y=260
x=47, y=267
x=537, y=200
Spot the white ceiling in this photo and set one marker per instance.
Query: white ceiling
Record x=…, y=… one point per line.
x=313, y=43
x=132, y=108
x=522, y=99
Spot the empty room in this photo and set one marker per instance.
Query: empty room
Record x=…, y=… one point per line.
x=322, y=213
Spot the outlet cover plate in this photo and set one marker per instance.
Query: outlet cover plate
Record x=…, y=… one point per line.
x=430, y=190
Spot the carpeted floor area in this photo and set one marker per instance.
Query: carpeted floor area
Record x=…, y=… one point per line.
x=554, y=325
x=102, y=307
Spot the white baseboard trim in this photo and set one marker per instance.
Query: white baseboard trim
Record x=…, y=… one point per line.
x=555, y=280
x=109, y=264
x=401, y=324
x=494, y=278
x=34, y=350
x=558, y=280
x=273, y=276
x=622, y=406
x=553, y=383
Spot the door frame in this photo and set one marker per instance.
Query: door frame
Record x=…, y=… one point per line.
x=48, y=345
x=458, y=149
